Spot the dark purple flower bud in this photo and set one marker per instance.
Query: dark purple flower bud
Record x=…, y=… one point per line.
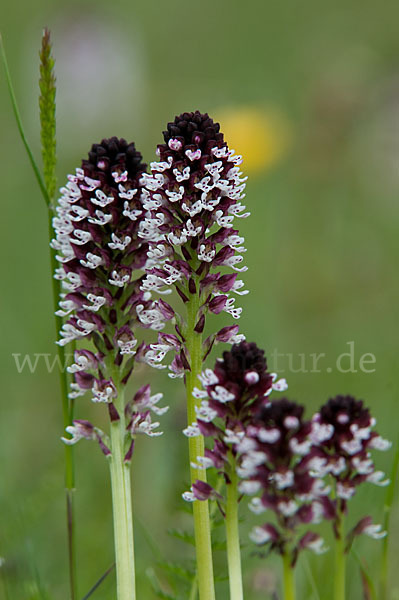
x=191, y=286
x=176, y=367
x=166, y=310
x=217, y=304
x=227, y=334
x=226, y=282
x=84, y=380
x=208, y=429
x=113, y=413
x=199, y=328
x=204, y=491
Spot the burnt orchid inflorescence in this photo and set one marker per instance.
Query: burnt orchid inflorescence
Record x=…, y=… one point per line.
x=275, y=461
x=194, y=193
x=233, y=393
x=100, y=250
x=347, y=435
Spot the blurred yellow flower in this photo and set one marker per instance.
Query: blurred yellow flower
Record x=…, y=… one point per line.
x=261, y=135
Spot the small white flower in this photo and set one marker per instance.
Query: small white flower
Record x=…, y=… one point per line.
x=378, y=443
x=259, y=535
x=256, y=506
x=192, y=430
x=208, y=377
x=378, y=478
x=270, y=436
x=249, y=487
x=221, y=394
x=374, y=531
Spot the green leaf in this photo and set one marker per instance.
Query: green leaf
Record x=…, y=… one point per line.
x=20, y=125
x=184, y=536
x=186, y=574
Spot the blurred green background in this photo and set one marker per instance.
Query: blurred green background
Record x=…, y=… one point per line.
x=309, y=93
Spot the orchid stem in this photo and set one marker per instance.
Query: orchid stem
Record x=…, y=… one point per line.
x=233, y=538
x=340, y=559
x=122, y=506
x=202, y=528
x=288, y=578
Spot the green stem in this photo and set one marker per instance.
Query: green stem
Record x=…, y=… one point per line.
x=233, y=538
x=340, y=559
x=122, y=507
x=390, y=496
x=288, y=578
x=202, y=528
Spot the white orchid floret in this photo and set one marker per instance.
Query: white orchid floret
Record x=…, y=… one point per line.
x=259, y=535
x=283, y=480
x=80, y=430
x=189, y=496
x=203, y=462
x=96, y=302
x=192, y=430
x=103, y=391
x=221, y=394
x=269, y=436
x=379, y=443
x=317, y=546
x=378, y=478
x=256, y=506
x=143, y=424
x=204, y=412
x=321, y=431
x=76, y=391
x=208, y=377
x=364, y=466
x=249, y=487
x=345, y=490
x=374, y=531
x=301, y=448
x=233, y=437
x=287, y=507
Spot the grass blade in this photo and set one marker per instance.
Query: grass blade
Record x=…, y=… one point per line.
x=21, y=130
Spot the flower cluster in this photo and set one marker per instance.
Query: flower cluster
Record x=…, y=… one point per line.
x=274, y=460
x=98, y=226
x=237, y=388
x=194, y=194
x=293, y=463
x=343, y=429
